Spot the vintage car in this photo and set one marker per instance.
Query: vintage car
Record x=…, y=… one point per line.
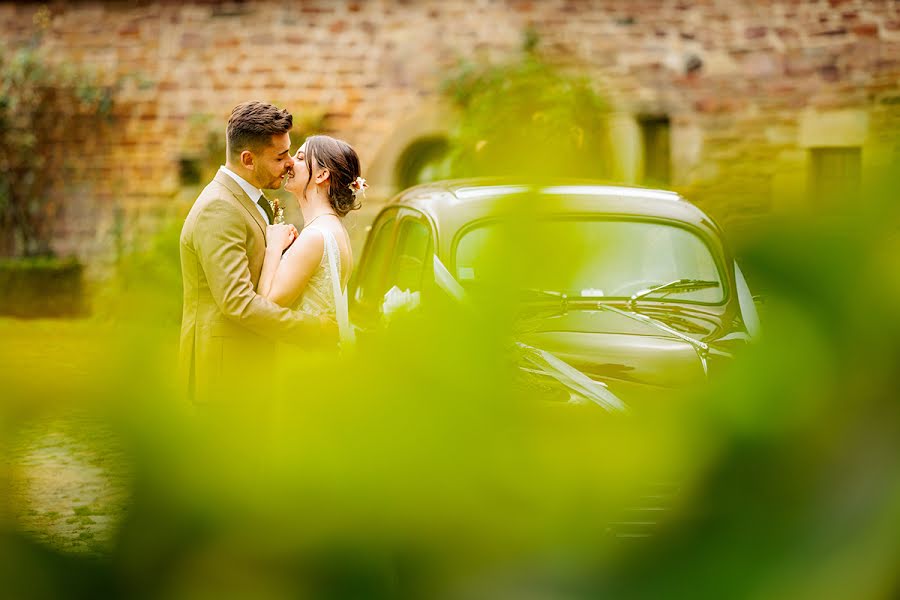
x=622, y=293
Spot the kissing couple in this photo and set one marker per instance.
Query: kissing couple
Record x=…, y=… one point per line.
x=249, y=279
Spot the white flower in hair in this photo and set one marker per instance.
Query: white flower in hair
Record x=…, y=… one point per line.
x=358, y=187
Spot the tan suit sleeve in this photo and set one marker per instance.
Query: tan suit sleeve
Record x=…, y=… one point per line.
x=220, y=241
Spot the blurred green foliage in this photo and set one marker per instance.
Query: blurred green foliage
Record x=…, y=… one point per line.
x=415, y=467
x=527, y=117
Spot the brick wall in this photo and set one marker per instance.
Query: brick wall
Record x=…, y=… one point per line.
x=735, y=77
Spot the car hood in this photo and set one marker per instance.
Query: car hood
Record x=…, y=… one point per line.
x=609, y=346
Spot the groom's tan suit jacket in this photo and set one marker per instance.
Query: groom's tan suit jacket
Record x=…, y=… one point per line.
x=227, y=328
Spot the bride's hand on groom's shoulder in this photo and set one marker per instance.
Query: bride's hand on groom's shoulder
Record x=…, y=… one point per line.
x=280, y=236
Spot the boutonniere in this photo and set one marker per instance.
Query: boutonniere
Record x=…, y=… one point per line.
x=277, y=211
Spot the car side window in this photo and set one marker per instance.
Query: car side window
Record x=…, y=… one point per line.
x=371, y=276
x=413, y=250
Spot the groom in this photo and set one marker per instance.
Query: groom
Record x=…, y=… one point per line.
x=226, y=328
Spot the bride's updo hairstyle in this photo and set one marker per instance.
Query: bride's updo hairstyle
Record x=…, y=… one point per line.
x=343, y=167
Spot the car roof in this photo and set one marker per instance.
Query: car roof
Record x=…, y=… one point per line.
x=452, y=204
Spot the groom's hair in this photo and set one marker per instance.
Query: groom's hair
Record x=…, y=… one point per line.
x=252, y=125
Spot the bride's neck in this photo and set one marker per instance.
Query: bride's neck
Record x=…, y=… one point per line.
x=315, y=205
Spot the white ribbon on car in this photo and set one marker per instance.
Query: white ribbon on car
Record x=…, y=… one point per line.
x=555, y=367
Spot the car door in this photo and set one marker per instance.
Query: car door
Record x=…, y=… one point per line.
x=367, y=287
x=398, y=253
x=410, y=259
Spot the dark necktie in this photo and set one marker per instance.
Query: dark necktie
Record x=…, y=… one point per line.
x=267, y=208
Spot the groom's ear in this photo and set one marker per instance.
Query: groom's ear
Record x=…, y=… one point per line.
x=247, y=159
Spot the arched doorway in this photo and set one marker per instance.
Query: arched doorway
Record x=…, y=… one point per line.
x=424, y=159
x=412, y=152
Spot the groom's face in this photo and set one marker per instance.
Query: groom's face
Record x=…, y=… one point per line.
x=274, y=162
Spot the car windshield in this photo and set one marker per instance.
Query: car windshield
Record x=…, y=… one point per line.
x=590, y=257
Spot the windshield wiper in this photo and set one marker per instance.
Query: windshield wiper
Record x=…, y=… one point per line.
x=549, y=293
x=561, y=298
x=701, y=348
x=678, y=286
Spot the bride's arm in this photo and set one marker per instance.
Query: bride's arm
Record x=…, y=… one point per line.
x=284, y=277
x=278, y=238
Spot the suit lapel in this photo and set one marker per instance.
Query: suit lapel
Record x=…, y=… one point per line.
x=242, y=198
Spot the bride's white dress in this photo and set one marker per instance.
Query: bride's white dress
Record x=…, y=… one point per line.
x=323, y=293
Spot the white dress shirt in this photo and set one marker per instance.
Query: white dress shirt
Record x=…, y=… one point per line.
x=252, y=191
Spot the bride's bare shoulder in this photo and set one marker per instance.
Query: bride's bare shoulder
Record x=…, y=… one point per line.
x=309, y=245
x=312, y=234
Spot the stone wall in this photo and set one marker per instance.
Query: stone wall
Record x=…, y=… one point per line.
x=735, y=77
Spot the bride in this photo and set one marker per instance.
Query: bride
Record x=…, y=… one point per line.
x=309, y=272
